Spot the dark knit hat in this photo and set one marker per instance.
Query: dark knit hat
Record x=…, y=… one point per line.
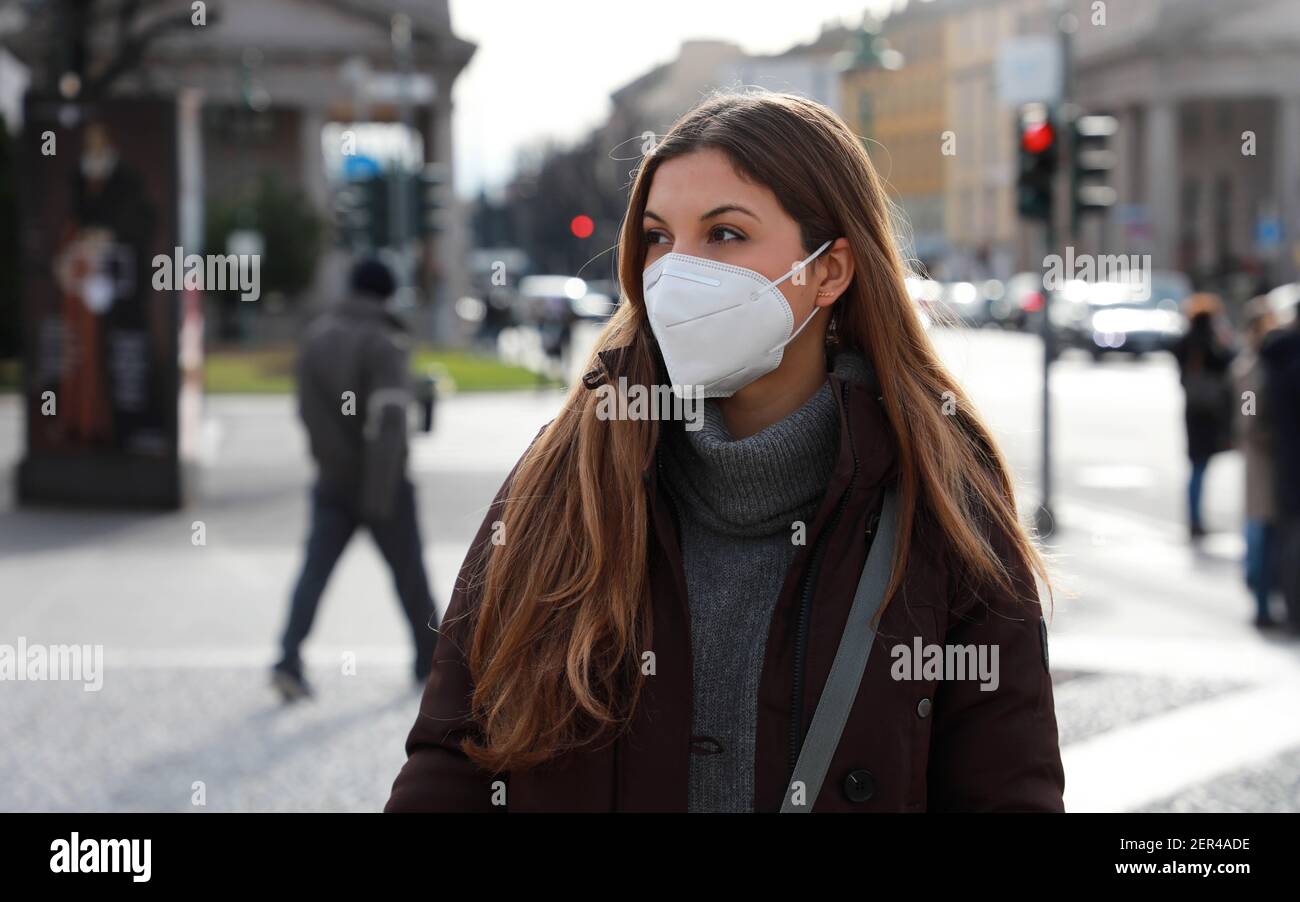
x=372, y=277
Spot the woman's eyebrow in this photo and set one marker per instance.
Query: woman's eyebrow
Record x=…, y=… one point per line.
x=729, y=208
x=716, y=211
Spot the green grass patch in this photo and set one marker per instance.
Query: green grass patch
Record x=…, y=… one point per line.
x=260, y=372
x=270, y=371
x=474, y=372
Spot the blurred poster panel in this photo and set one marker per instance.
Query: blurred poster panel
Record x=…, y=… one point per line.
x=101, y=342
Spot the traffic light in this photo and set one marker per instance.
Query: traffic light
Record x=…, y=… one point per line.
x=1093, y=162
x=429, y=185
x=361, y=208
x=351, y=214
x=1036, y=141
x=582, y=226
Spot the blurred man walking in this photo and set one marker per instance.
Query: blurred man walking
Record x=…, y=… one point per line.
x=353, y=393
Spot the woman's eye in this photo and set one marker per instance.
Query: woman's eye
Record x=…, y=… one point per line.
x=720, y=233
x=653, y=237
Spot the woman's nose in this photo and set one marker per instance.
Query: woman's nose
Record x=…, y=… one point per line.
x=692, y=249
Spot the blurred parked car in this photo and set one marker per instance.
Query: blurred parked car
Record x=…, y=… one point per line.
x=963, y=304
x=1023, y=299
x=594, y=305
x=539, y=295
x=1002, y=310
x=926, y=294
x=983, y=303
x=1133, y=317
x=606, y=287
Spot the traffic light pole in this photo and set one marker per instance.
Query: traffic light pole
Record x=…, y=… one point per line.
x=400, y=199
x=1045, y=519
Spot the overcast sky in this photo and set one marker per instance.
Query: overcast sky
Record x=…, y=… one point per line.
x=548, y=68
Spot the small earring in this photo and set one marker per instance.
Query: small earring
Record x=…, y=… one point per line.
x=822, y=294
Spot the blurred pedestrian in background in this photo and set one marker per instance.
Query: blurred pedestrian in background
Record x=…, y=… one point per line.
x=1203, y=358
x=1254, y=432
x=353, y=394
x=556, y=327
x=497, y=317
x=1280, y=352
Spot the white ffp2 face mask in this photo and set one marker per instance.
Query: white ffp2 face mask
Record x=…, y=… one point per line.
x=719, y=326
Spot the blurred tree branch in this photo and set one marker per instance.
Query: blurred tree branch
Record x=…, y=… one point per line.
x=78, y=46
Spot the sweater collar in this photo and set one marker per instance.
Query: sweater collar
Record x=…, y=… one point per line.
x=867, y=443
x=760, y=484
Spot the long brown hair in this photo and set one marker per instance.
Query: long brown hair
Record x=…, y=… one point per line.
x=564, y=612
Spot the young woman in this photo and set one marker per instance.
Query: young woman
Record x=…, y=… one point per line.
x=650, y=611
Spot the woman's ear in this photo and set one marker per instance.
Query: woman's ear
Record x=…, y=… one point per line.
x=837, y=272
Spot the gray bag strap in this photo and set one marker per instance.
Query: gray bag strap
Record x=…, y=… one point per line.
x=849, y=665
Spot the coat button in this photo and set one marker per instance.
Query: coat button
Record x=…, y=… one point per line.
x=923, y=707
x=859, y=786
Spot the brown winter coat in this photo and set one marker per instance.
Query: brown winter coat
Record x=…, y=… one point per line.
x=1255, y=439
x=915, y=745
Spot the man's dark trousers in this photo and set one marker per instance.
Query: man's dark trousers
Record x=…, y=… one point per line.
x=334, y=518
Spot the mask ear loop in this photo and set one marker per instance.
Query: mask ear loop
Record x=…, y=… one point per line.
x=796, y=269
x=797, y=331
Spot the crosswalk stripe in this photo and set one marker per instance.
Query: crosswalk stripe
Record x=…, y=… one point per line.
x=1124, y=769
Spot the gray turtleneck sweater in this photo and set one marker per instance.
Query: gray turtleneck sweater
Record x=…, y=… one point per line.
x=739, y=501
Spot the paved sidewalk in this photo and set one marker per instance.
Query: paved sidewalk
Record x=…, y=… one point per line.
x=189, y=632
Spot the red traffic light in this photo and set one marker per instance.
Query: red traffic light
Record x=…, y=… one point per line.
x=1038, y=138
x=582, y=226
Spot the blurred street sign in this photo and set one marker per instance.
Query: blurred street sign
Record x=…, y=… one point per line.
x=1134, y=220
x=388, y=87
x=1029, y=70
x=358, y=167
x=1268, y=233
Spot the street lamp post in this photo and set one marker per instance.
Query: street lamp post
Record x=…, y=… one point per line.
x=399, y=198
x=1065, y=24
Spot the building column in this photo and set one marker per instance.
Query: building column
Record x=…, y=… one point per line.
x=333, y=263
x=314, y=183
x=189, y=131
x=1160, y=167
x=1286, y=185
x=450, y=247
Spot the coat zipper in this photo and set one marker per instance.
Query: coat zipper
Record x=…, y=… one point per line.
x=672, y=505
x=677, y=524
x=801, y=632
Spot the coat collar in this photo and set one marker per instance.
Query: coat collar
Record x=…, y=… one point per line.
x=357, y=307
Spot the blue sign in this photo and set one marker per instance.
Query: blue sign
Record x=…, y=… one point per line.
x=357, y=168
x=1268, y=232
